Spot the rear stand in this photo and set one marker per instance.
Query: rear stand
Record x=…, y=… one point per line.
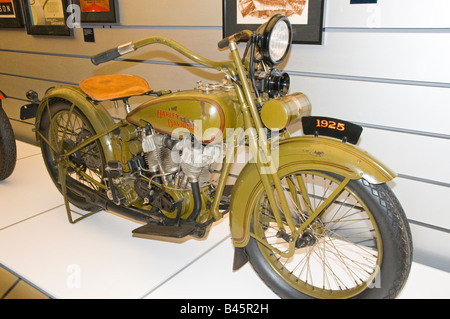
x=62, y=180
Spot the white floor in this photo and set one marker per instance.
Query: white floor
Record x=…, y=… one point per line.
x=98, y=257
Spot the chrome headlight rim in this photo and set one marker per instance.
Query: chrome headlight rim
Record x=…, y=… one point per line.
x=266, y=33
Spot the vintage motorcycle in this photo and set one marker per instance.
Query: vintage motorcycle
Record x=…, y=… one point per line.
x=312, y=214
x=8, y=151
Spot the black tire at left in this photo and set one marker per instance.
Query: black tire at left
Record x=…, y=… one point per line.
x=8, y=151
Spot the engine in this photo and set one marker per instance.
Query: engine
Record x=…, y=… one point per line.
x=177, y=163
x=170, y=175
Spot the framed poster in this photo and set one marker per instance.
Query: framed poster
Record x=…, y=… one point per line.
x=306, y=17
x=46, y=17
x=98, y=11
x=10, y=14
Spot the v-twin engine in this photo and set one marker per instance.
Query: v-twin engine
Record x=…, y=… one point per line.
x=179, y=162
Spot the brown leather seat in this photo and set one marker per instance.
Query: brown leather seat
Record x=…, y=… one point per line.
x=114, y=87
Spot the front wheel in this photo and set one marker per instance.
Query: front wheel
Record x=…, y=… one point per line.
x=358, y=247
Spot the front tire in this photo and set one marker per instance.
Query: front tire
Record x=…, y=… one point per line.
x=359, y=247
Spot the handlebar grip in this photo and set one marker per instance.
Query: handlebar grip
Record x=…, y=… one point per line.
x=237, y=37
x=113, y=53
x=223, y=43
x=105, y=56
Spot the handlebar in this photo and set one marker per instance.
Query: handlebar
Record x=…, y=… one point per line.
x=114, y=53
x=133, y=46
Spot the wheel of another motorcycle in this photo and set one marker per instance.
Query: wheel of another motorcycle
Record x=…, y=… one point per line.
x=65, y=129
x=359, y=247
x=8, y=151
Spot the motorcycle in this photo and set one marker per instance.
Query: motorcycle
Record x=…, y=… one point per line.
x=312, y=213
x=8, y=152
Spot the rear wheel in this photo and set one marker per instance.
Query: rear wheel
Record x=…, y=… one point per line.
x=8, y=152
x=359, y=246
x=65, y=127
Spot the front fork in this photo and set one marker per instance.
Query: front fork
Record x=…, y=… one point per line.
x=267, y=164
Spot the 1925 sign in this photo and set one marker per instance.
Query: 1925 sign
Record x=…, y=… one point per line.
x=326, y=126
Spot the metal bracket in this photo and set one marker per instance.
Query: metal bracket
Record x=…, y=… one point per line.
x=62, y=168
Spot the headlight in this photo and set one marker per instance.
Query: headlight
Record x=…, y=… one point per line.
x=275, y=39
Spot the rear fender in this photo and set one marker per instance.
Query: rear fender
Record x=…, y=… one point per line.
x=97, y=115
x=306, y=153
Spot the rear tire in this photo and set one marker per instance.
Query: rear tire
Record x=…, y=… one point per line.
x=8, y=151
x=90, y=159
x=360, y=247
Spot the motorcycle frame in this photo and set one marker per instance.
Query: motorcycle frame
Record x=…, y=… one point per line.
x=259, y=144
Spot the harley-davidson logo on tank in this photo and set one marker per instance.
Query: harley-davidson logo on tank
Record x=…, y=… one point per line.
x=175, y=120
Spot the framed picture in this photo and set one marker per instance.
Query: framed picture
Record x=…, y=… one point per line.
x=46, y=17
x=98, y=11
x=10, y=14
x=306, y=17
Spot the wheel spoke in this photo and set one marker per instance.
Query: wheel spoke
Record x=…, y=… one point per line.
x=67, y=131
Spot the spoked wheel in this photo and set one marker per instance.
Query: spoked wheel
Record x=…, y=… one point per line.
x=358, y=246
x=65, y=129
x=8, y=151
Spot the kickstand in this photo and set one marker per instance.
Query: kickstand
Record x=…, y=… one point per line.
x=62, y=180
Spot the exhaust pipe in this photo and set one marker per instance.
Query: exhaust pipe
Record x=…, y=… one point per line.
x=97, y=199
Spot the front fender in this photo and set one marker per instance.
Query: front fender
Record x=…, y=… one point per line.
x=97, y=115
x=308, y=153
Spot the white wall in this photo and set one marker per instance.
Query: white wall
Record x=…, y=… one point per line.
x=384, y=66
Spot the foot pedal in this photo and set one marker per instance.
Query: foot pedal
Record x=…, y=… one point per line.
x=165, y=231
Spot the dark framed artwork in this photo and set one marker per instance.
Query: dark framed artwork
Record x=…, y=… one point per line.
x=98, y=11
x=306, y=17
x=362, y=1
x=10, y=14
x=46, y=17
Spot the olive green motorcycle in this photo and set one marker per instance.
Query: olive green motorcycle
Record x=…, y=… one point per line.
x=312, y=213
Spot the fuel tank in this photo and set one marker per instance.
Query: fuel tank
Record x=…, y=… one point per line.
x=207, y=114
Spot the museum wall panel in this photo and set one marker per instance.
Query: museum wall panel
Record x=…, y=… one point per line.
x=376, y=54
x=405, y=14
x=384, y=66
